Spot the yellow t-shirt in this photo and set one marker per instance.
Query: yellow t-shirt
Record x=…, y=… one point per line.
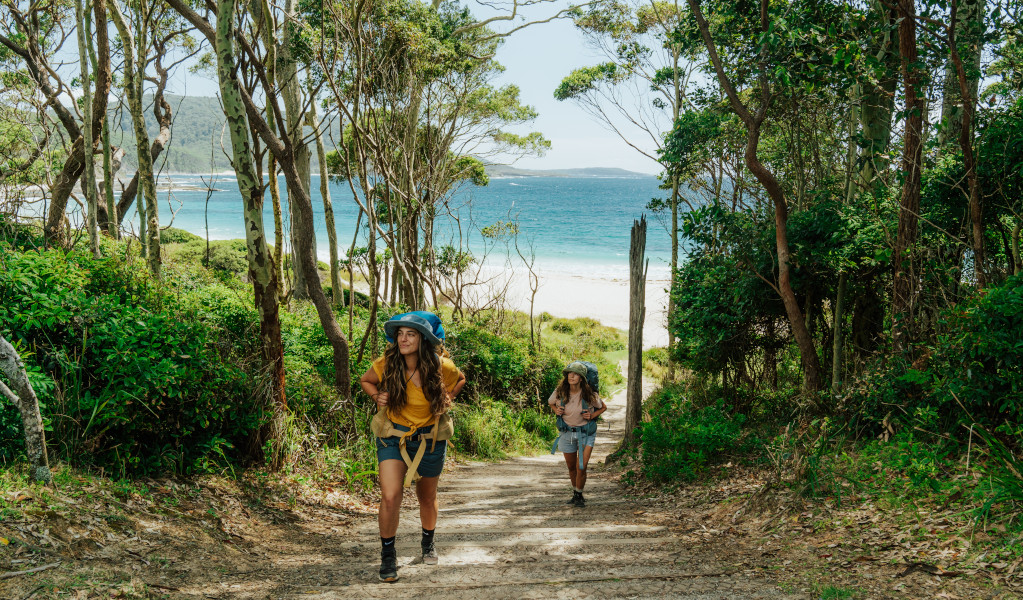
x=417, y=408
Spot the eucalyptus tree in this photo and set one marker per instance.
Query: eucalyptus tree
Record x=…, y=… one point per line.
x=641, y=88
x=163, y=47
x=35, y=33
x=84, y=35
x=773, y=57
x=133, y=46
x=414, y=86
x=243, y=75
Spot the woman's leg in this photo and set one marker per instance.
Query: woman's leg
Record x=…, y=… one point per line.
x=572, y=459
x=392, y=476
x=580, y=477
x=426, y=491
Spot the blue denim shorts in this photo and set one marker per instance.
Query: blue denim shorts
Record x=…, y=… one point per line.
x=571, y=441
x=432, y=463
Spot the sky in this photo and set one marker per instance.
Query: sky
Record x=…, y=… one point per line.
x=536, y=59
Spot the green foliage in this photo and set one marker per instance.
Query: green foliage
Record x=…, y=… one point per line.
x=493, y=430
x=977, y=360
x=229, y=256
x=143, y=388
x=681, y=441
x=587, y=79
x=173, y=235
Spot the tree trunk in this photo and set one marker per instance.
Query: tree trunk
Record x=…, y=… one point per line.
x=133, y=85
x=637, y=314
x=328, y=208
x=65, y=181
x=84, y=31
x=968, y=34
x=909, y=203
x=113, y=227
x=261, y=272
x=24, y=397
x=1017, y=266
x=878, y=104
x=812, y=379
x=291, y=93
x=836, y=348
x=966, y=31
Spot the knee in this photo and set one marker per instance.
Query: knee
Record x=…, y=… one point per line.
x=390, y=501
x=428, y=502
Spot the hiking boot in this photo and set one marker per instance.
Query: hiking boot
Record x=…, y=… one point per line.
x=430, y=554
x=579, y=501
x=575, y=498
x=388, y=566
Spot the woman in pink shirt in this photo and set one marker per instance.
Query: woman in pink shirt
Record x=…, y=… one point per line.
x=578, y=405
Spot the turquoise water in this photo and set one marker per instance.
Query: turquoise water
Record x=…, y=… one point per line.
x=578, y=225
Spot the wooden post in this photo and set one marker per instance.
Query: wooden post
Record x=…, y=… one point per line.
x=637, y=314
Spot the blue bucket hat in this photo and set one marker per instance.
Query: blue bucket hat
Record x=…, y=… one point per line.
x=426, y=323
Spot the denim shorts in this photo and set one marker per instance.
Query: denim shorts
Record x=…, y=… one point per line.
x=432, y=463
x=571, y=441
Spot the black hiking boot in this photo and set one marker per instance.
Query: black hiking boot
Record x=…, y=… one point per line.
x=389, y=566
x=579, y=500
x=574, y=499
x=430, y=553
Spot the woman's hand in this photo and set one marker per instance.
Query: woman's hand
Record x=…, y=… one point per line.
x=381, y=399
x=558, y=410
x=587, y=414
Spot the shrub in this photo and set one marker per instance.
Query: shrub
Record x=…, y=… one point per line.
x=680, y=441
x=142, y=385
x=493, y=430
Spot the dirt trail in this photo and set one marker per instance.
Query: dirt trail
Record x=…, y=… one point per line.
x=505, y=532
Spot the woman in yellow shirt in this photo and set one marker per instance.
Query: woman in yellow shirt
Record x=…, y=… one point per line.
x=415, y=385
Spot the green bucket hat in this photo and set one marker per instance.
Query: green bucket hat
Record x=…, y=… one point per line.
x=575, y=367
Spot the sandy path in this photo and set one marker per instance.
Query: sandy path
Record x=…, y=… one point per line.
x=506, y=532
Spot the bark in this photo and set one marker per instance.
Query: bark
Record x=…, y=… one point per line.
x=961, y=86
x=261, y=272
x=877, y=105
x=812, y=378
x=967, y=104
x=84, y=32
x=291, y=93
x=328, y=208
x=24, y=397
x=65, y=181
x=909, y=203
x=637, y=314
x=836, y=348
x=134, y=78
x=112, y=224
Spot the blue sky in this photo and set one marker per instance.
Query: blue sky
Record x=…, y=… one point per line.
x=537, y=58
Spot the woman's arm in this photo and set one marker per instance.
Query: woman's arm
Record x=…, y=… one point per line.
x=370, y=383
x=595, y=413
x=458, y=385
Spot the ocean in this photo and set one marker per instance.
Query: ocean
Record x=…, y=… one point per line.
x=577, y=225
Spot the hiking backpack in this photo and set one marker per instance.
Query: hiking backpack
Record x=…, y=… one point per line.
x=590, y=428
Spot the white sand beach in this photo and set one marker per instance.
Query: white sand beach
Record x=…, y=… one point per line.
x=605, y=299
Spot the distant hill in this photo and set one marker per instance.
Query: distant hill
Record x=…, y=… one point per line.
x=507, y=171
x=199, y=141
x=198, y=138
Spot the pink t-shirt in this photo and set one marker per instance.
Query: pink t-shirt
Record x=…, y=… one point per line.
x=574, y=408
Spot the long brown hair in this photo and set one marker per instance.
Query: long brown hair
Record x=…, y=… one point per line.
x=395, y=380
x=565, y=389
